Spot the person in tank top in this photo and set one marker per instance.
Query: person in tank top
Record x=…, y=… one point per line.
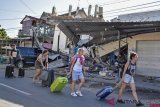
x=128, y=78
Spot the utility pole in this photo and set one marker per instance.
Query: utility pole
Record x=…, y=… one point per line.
x=33, y=34
x=34, y=25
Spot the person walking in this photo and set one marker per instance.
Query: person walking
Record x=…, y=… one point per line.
x=40, y=64
x=77, y=72
x=128, y=78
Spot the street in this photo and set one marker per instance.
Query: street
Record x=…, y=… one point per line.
x=21, y=92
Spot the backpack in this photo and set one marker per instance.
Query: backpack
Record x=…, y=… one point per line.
x=75, y=56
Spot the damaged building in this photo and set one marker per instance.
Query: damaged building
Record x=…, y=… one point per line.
x=49, y=35
x=121, y=38
x=104, y=41
x=44, y=31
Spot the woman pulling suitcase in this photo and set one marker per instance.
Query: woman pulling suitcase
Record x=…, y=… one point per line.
x=40, y=64
x=128, y=78
x=76, y=72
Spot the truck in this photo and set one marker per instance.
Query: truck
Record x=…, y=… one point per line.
x=29, y=56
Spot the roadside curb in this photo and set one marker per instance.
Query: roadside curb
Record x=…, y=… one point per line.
x=112, y=83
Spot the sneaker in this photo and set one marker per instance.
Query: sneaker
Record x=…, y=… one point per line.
x=139, y=104
x=120, y=101
x=74, y=94
x=79, y=93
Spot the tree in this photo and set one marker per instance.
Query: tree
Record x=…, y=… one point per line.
x=3, y=34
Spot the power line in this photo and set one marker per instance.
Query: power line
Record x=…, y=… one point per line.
x=132, y=6
x=133, y=13
x=112, y=10
x=122, y=1
x=16, y=11
x=13, y=28
x=27, y=6
x=136, y=8
x=11, y=19
x=101, y=4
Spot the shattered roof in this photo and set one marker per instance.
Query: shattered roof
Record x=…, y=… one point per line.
x=107, y=30
x=45, y=14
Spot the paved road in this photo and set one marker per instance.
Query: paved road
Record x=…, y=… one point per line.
x=20, y=92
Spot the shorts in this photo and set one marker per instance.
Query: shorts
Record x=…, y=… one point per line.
x=128, y=78
x=38, y=65
x=76, y=75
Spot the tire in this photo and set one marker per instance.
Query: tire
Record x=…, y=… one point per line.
x=20, y=64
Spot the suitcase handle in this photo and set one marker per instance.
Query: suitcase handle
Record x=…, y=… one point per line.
x=117, y=85
x=68, y=76
x=63, y=81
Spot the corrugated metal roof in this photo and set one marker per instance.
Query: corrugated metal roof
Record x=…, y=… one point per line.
x=109, y=30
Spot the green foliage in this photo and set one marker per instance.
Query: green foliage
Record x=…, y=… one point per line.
x=3, y=34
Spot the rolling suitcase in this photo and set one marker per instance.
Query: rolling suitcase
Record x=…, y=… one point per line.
x=104, y=92
x=47, y=78
x=21, y=72
x=9, y=71
x=59, y=84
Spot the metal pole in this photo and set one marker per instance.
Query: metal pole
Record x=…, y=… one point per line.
x=33, y=34
x=17, y=42
x=24, y=43
x=119, y=42
x=58, y=41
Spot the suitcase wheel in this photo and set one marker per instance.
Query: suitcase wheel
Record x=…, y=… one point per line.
x=98, y=98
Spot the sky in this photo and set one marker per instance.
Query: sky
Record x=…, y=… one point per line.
x=13, y=11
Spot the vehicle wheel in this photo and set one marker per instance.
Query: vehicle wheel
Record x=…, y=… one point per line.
x=20, y=64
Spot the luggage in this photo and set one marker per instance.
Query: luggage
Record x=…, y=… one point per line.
x=21, y=72
x=59, y=84
x=9, y=71
x=104, y=92
x=47, y=78
x=44, y=75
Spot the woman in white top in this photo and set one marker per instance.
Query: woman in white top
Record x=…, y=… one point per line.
x=76, y=71
x=40, y=64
